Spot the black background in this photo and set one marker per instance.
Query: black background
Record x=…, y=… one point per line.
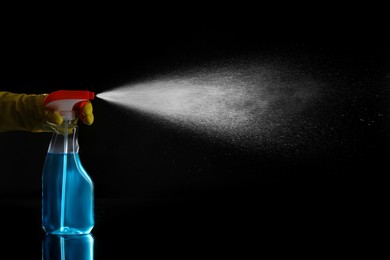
x=154, y=181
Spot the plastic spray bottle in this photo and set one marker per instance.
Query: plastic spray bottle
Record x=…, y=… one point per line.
x=55, y=247
x=67, y=189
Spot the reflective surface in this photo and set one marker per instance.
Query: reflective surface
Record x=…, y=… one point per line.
x=78, y=247
x=220, y=226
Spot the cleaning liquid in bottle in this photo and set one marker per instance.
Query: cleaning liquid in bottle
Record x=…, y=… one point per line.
x=55, y=247
x=67, y=189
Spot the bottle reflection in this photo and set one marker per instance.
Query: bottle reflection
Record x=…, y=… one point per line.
x=62, y=247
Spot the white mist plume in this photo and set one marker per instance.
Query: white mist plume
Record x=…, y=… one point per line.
x=241, y=103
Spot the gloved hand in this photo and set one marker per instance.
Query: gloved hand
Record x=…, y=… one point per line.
x=26, y=112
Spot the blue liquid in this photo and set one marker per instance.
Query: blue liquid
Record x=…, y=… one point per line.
x=56, y=247
x=68, y=211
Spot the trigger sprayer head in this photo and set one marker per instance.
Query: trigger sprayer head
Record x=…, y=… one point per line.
x=64, y=101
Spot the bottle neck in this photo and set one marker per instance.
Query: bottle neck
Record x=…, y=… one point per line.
x=65, y=139
x=68, y=115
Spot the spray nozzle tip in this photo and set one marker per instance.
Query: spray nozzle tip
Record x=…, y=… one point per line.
x=91, y=95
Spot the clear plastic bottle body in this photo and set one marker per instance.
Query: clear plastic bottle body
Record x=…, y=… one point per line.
x=67, y=189
x=56, y=247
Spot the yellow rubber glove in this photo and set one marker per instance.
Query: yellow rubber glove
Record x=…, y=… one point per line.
x=84, y=111
x=26, y=112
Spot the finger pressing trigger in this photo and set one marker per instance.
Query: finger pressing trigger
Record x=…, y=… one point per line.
x=85, y=112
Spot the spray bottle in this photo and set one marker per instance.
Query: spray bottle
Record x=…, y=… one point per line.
x=67, y=189
x=55, y=247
